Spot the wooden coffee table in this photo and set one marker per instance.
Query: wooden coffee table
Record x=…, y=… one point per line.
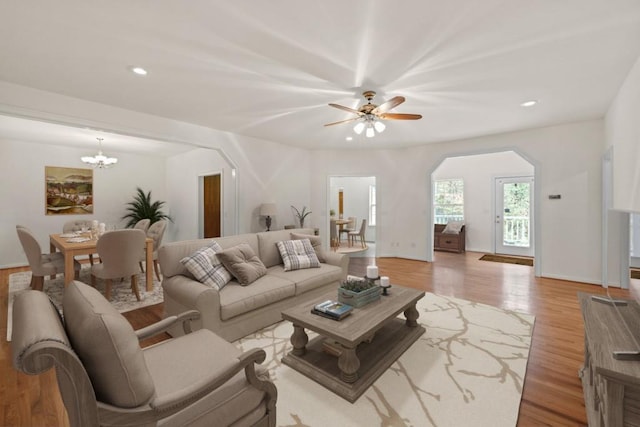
x=363, y=344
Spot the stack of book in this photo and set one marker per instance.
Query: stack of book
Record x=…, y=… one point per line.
x=332, y=309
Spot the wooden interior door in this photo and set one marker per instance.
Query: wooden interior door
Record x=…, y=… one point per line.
x=212, y=206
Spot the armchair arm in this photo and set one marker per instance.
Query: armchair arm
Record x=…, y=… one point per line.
x=164, y=324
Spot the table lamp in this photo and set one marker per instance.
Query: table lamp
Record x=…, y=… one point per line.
x=268, y=210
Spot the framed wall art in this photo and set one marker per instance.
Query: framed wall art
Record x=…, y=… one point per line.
x=68, y=190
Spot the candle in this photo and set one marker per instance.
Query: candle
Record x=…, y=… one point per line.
x=384, y=282
x=372, y=271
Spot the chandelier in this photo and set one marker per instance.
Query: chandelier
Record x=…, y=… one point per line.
x=99, y=161
x=372, y=125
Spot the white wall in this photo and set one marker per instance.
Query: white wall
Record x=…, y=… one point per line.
x=478, y=173
x=623, y=133
x=23, y=191
x=567, y=158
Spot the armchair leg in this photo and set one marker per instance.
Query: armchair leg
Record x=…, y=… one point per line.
x=37, y=282
x=156, y=268
x=134, y=286
x=141, y=267
x=107, y=292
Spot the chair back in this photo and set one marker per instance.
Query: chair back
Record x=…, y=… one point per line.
x=143, y=225
x=353, y=222
x=156, y=232
x=363, y=227
x=76, y=225
x=120, y=251
x=31, y=248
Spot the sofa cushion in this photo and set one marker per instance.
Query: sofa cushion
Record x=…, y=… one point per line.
x=267, y=240
x=108, y=347
x=206, y=268
x=310, y=278
x=298, y=254
x=236, y=299
x=316, y=242
x=243, y=263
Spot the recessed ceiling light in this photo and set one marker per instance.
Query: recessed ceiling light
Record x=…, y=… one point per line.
x=530, y=103
x=139, y=70
x=349, y=138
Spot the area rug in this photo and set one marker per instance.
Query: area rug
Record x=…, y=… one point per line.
x=122, y=296
x=467, y=369
x=507, y=259
x=351, y=249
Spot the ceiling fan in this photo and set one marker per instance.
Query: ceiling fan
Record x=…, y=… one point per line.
x=369, y=115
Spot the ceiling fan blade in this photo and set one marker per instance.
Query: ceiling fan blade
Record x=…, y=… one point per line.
x=343, y=121
x=400, y=116
x=386, y=106
x=342, y=107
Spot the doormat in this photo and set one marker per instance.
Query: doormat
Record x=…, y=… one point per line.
x=507, y=259
x=635, y=274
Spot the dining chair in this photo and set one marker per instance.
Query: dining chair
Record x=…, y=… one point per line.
x=333, y=234
x=155, y=232
x=41, y=264
x=105, y=377
x=348, y=228
x=77, y=225
x=143, y=225
x=119, y=251
x=354, y=234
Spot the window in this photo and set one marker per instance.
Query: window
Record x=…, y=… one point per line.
x=372, y=205
x=448, y=201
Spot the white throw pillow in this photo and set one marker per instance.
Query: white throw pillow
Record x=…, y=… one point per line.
x=298, y=254
x=206, y=267
x=453, y=227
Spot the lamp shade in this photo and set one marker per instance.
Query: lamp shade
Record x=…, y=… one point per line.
x=268, y=209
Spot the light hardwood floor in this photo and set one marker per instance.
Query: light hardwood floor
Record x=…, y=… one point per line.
x=552, y=391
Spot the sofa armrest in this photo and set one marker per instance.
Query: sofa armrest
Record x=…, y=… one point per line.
x=182, y=293
x=339, y=260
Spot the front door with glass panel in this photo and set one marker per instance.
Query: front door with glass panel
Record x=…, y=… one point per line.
x=514, y=216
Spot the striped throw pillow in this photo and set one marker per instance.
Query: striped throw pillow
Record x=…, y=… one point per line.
x=206, y=267
x=298, y=254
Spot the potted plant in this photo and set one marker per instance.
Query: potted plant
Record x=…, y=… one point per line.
x=301, y=215
x=142, y=208
x=358, y=292
x=332, y=213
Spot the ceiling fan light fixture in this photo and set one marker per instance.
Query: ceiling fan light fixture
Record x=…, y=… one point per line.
x=380, y=127
x=370, y=132
x=359, y=127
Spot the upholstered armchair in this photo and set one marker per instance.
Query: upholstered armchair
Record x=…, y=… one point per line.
x=106, y=379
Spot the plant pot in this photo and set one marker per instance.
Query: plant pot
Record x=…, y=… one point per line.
x=359, y=299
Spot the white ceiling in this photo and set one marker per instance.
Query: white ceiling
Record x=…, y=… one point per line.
x=268, y=69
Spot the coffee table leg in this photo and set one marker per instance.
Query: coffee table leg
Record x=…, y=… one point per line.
x=412, y=316
x=299, y=340
x=349, y=364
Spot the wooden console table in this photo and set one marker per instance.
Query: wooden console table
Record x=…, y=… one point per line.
x=448, y=242
x=611, y=386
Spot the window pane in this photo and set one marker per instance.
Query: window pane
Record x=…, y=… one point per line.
x=448, y=200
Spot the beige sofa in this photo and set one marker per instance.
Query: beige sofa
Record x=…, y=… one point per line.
x=236, y=311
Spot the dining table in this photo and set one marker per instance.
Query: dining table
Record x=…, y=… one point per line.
x=83, y=244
